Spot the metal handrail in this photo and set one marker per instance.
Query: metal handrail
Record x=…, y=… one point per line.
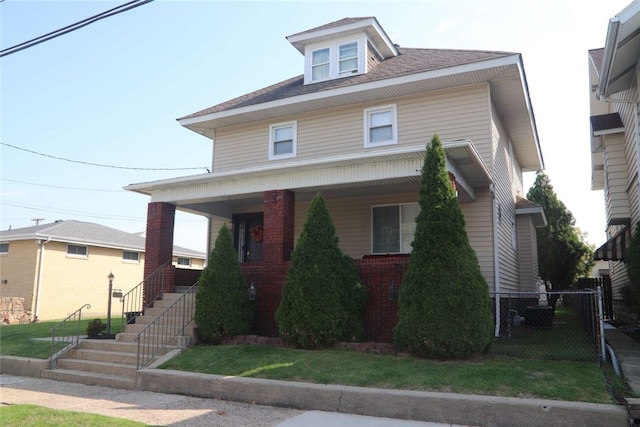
x=165, y=328
x=133, y=301
x=67, y=331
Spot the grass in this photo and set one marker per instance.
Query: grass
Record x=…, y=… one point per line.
x=20, y=340
x=561, y=380
x=32, y=416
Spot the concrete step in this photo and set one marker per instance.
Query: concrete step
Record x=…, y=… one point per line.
x=108, y=345
x=100, y=367
x=106, y=356
x=185, y=289
x=157, y=329
x=90, y=378
x=175, y=314
x=130, y=337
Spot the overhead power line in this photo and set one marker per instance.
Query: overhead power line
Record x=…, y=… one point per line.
x=62, y=187
x=99, y=164
x=75, y=26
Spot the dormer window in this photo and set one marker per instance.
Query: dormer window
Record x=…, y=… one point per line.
x=338, y=59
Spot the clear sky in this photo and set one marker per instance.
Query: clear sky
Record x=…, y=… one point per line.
x=110, y=93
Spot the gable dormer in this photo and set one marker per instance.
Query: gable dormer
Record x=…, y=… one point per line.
x=343, y=48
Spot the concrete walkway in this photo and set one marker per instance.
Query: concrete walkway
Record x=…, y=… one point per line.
x=175, y=410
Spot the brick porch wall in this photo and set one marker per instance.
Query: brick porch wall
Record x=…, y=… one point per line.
x=159, y=245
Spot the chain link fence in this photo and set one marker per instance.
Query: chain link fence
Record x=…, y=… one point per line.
x=527, y=326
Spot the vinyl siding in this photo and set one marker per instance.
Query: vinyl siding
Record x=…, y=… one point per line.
x=616, y=178
x=527, y=253
x=504, y=185
x=452, y=114
x=479, y=225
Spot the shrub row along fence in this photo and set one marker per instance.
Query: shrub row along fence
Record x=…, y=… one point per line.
x=531, y=328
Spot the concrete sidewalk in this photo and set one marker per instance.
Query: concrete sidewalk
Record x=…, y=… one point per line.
x=175, y=410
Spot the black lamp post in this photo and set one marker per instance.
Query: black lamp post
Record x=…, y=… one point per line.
x=110, y=277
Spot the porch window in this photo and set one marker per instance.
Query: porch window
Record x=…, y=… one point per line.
x=380, y=126
x=393, y=227
x=76, y=251
x=282, y=140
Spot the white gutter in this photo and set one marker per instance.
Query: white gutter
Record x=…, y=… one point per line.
x=39, y=279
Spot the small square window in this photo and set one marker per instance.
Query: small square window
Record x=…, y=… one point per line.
x=184, y=261
x=130, y=256
x=4, y=248
x=282, y=140
x=77, y=251
x=380, y=126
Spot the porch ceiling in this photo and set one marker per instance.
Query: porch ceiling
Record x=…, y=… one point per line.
x=381, y=172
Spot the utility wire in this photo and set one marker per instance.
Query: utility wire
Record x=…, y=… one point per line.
x=61, y=187
x=75, y=26
x=99, y=164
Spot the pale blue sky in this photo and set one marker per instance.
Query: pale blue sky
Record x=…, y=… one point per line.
x=110, y=92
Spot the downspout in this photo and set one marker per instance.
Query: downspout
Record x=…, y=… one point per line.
x=39, y=279
x=496, y=258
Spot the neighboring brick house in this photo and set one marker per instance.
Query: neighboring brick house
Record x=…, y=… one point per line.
x=615, y=136
x=354, y=127
x=56, y=268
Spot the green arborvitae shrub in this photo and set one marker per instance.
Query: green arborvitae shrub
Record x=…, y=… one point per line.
x=444, y=308
x=222, y=304
x=322, y=299
x=631, y=292
x=95, y=328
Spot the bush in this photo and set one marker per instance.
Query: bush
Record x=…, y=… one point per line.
x=631, y=292
x=95, y=328
x=322, y=300
x=444, y=309
x=222, y=305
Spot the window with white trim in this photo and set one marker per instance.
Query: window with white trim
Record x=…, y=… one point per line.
x=337, y=59
x=4, y=248
x=184, y=261
x=77, y=251
x=130, y=256
x=393, y=227
x=282, y=140
x=380, y=126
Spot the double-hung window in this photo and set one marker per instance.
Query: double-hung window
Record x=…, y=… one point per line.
x=393, y=227
x=380, y=126
x=321, y=64
x=282, y=140
x=348, y=59
x=77, y=251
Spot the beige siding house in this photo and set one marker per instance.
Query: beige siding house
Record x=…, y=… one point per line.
x=56, y=268
x=615, y=135
x=354, y=127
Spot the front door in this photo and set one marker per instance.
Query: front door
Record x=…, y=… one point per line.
x=248, y=236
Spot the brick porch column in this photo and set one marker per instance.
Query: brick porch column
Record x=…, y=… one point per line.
x=279, y=214
x=159, y=246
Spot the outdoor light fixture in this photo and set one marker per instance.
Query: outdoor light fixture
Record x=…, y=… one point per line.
x=393, y=291
x=252, y=292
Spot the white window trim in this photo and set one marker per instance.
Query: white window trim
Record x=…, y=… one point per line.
x=131, y=261
x=272, y=132
x=394, y=125
x=78, y=255
x=334, y=58
x=399, y=206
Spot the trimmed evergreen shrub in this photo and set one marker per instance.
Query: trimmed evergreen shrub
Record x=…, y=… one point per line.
x=222, y=304
x=444, y=308
x=322, y=299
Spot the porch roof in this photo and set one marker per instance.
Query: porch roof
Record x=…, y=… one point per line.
x=344, y=176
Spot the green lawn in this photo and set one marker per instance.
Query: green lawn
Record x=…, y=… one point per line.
x=562, y=380
x=21, y=340
x=32, y=416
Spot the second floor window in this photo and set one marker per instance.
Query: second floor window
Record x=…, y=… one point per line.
x=320, y=66
x=184, y=261
x=4, y=248
x=130, y=256
x=282, y=140
x=77, y=251
x=348, y=62
x=380, y=126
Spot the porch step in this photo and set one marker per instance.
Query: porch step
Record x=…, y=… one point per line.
x=184, y=289
x=108, y=345
x=130, y=337
x=90, y=378
x=109, y=368
x=106, y=356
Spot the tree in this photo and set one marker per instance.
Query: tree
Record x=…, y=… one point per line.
x=222, y=305
x=444, y=308
x=631, y=292
x=322, y=299
x=563, y=255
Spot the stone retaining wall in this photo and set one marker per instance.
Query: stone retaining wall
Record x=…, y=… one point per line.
x=12, y=311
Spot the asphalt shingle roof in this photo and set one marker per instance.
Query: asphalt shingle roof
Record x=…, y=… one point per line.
x=88, y=233
x=410, y=61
